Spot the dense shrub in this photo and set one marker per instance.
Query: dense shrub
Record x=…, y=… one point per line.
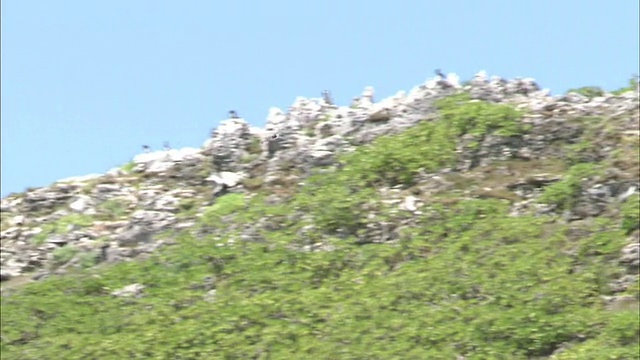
x=565, y=193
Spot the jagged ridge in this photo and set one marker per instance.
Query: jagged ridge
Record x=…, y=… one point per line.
x=518, y=151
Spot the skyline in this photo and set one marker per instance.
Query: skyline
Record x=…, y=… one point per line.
x=85, y=85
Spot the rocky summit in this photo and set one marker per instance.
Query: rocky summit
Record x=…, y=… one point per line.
x=484, y=219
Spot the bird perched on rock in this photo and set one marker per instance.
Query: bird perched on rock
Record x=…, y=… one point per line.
x=443, y=83
x=273, y=144
x=233, y=114
x=146, y=148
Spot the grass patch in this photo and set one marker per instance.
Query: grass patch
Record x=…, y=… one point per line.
x=631, y=214
x=128, y=167
x=112, y=209
x=61, y=226
x=63, y=255
x=224, y=205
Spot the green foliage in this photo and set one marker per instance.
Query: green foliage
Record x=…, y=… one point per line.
x=469, y=281
x=335, y=201
x=631, y=214
x=112, y=209
x=128, y=167
x=430, y=145
x=579, y=152
x=87, y=259
x=224, y=205
x=63, y=255
x=632, y=86
x=89, y=186
x=465, y=279
x=565, y=192
x=389, y=160
x=187, y=207
x=479, y=118
x=617, y=341
x=588, y=91
x=254, y=147
x=61, y=226
x=247, y=158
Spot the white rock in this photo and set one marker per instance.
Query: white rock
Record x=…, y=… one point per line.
x=18, y=220
x=409, y=203
x=129, y=291
x=81, y=204
x=11, y=233
x=630, y=191
x=227, y=178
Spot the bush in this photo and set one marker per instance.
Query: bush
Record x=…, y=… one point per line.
x=61, y=226
x=63, y=255
x=112, y=209
x=224, y=205
x=389, y=160
x=128, y=167
x=479, y=118
x=566, y=192
x=632, y=86
x=631, y=214
x=335, y=201
x=588, y=91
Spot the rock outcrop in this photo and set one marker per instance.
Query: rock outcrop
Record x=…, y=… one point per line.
x=116, y=216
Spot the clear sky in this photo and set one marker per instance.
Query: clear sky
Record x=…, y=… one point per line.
x=86, y=83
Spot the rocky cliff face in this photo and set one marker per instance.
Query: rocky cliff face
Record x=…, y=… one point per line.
x=85, y=221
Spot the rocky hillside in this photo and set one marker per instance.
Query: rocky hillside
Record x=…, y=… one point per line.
x=476, y=220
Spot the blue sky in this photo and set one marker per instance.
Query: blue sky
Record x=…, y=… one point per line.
x=86, y=83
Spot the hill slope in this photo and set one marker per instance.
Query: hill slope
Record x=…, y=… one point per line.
x=482, y=221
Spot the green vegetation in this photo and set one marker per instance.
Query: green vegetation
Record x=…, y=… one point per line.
x=87, y=259
x=247, y=158
x=588, y=91
x=187, y=207
x=112, y=209
x=495, y=286
x=594, y=91
x=632, y=85
x=565, y=192
x=128, y=167
x=62, y=255
x=61, y=226
x=631, y=214
x=465, y=279
x=479, y=118
x=254, y=147
x=224, y=205
x=390, y=161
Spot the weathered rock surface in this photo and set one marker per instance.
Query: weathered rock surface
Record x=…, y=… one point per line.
x=118, y=214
